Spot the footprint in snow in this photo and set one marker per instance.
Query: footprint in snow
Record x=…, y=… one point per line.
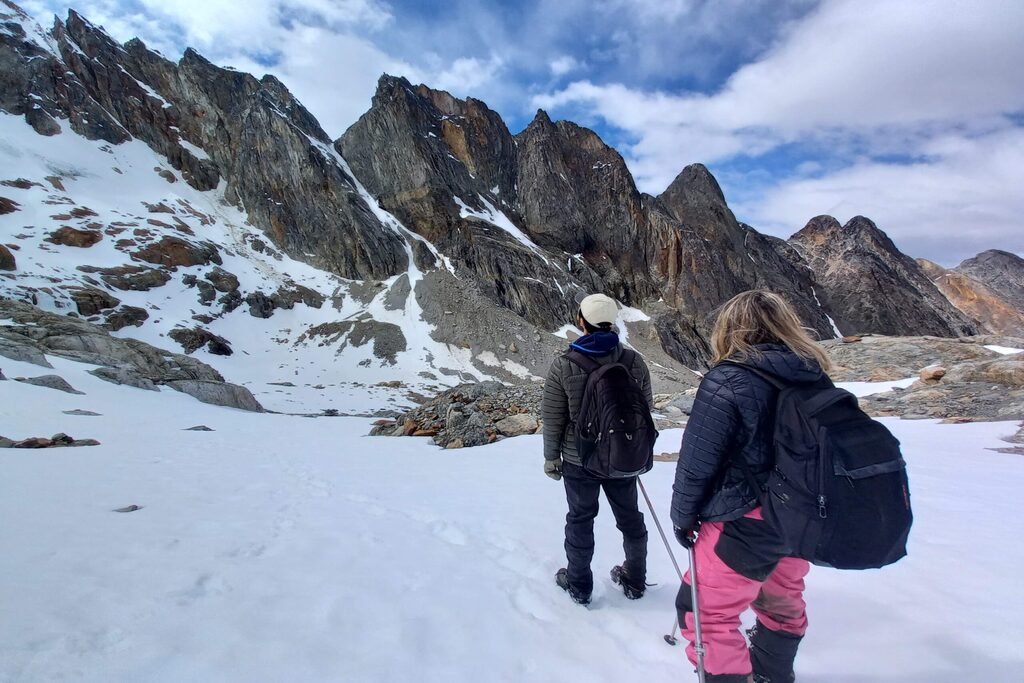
x=448, y=532
x=530, y=603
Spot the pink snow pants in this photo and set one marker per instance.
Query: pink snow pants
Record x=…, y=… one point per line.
x=724, y=595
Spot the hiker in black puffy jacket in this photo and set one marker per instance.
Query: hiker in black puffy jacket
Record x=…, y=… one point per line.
x=742, y=560
x=563, y=394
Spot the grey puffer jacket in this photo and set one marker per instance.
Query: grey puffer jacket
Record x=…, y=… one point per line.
x=733, y=417
x=563, y=394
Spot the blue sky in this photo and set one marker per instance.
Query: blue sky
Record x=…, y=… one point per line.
x=908, y=112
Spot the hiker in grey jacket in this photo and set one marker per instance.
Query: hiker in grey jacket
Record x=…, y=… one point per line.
x=563, y=394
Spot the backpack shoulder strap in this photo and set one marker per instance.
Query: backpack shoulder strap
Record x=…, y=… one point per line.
x=580, y=360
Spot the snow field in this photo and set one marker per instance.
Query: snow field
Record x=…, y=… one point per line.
x=286, y=548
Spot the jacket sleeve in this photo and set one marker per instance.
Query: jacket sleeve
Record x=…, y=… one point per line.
x=707, y=442
x=555, y=412
x=646, y=385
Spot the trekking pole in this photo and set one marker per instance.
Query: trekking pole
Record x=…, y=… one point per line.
x=670, y=638
x=698, y=644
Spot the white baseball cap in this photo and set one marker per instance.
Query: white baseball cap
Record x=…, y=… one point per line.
x=598, y=309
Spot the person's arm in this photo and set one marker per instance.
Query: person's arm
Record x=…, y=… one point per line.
x=710, y=434
x=555, y=412
x=646, y=385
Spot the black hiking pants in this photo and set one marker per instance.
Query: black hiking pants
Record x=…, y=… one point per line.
x=582, y=491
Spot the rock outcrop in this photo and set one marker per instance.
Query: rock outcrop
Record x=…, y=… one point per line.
x=988, y=309
x=870, y=286
x=470, y=415
x=1000, y=271
x=33, y=333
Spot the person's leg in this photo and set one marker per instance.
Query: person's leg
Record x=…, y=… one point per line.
x=781, y=621
x=581, y=492
x=622, y=497
x=724, y=595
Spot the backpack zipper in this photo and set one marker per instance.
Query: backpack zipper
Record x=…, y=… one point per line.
x=822, y=500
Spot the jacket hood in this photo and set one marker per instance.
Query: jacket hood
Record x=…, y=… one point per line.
x=780, y=361
x=596, y=343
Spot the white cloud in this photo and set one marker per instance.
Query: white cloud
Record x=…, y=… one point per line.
x=964, y=196
x=563, y=65
x=466, y=74
x=928, y=80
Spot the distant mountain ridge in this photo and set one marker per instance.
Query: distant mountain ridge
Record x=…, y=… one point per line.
x=435, y=200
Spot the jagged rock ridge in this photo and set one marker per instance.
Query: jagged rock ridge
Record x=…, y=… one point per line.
x=990, y=311
x=1000, y=271
x=870, y=286
x=484, y=217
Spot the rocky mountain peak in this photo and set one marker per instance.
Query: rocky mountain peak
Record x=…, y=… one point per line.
x=870, y=285
x=694, y=186
x=1001, y=271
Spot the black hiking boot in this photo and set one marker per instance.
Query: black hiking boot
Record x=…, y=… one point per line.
x=632, y=589
x=562, y=581
x=772, y=654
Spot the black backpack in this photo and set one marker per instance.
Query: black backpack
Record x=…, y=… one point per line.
x=838, y=492
x=615, y=433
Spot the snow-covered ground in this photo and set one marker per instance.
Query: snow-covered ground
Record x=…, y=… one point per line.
x=283, y=548
x=869, y=388
x=1004, y=350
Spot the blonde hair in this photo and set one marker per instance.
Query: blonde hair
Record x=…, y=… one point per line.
x=762, y=317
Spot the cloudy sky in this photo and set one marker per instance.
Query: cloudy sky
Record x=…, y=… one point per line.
x=908, y=112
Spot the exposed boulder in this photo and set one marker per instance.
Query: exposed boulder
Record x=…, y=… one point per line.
x=196, y=338
x=222, y=280
x=134, y=278
x=260, y=305
x=172, y=252
x=126, y=376
x=7, y=260
x=73, y=237
x=126, y=316
x=870, y=286
x=91, y=301
x=218, y=393
x=50, y=382
x=8, y=205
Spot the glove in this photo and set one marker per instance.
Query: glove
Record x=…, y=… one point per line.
x=686, y=537
x=553, y=468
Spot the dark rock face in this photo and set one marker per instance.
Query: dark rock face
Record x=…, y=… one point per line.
x=523, y=222
x=210, y=123
x=438, y=164
x=985, y=307
x=7, y=260
x=576, y=196
x=1000, y=271
x=870, y=286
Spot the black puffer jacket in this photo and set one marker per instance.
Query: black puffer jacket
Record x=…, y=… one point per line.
x=563, y=395
x=733, y=416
